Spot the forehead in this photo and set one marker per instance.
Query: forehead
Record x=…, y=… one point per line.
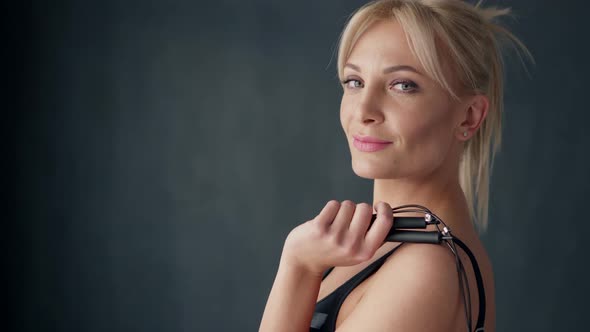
x=383, y=41
x=385, y=44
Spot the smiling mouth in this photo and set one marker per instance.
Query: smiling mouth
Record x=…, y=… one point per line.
x=369, y=146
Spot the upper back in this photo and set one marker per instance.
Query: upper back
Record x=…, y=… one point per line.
x=339, y=280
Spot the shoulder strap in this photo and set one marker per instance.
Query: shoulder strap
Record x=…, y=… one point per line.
x=480, y=290
x=479, y=326
x=327, y=272
x=338, y=296
x=375, y=262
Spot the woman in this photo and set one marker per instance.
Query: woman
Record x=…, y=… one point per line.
x=421, y=112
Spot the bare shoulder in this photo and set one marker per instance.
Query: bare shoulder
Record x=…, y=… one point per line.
x=416, y=277
x=419, y=257
x=417, y=269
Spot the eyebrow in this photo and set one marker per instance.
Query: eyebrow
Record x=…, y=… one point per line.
x=388, y=69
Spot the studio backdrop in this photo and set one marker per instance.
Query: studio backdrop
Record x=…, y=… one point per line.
x=165, y=149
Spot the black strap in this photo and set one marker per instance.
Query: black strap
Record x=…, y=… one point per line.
x=480, y=290
x=327, y=272
x=320, y=322
x=479, y=326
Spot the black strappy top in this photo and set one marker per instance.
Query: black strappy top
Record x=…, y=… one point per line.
x=326, y=310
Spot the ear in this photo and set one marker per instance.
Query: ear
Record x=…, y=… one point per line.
x=472, y=116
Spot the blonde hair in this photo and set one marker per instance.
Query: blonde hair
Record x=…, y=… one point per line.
x=471, y=42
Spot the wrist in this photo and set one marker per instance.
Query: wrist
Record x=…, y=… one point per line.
x=293, y=266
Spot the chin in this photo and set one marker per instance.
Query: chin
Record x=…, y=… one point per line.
x=372, y=171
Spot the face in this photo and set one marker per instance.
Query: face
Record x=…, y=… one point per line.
x=388, y=100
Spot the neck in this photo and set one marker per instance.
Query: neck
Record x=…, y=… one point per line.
x=439, y=192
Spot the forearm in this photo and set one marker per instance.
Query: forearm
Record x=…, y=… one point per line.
x=292, y=299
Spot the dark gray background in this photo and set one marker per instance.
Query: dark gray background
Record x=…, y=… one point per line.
x=164, y=149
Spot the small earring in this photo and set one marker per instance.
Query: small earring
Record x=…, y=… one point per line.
x=465, y=134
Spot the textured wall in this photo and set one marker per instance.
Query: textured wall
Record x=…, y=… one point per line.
x=164, y=149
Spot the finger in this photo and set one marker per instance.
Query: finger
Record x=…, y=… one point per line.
x=380, y=228
x=361, y=220
x=342, y=220
x=328, y=213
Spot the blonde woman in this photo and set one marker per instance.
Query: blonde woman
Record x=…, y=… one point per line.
x=421, y=111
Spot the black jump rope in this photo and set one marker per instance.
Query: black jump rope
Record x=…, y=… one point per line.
x=399, y=234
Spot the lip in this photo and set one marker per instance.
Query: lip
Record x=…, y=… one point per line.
x=369, y=139
x=369, y=144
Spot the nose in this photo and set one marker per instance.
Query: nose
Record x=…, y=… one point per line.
x=369, y=109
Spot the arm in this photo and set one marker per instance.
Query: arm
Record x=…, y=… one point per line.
x=292, y=299
x=417, y=289
x=338, y=236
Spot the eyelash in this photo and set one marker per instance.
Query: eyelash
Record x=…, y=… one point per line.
x=345, y=82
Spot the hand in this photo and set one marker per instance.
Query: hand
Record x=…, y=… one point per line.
x=338, y=236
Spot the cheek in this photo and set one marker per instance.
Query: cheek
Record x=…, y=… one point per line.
x=429, y=133
x=345, y=115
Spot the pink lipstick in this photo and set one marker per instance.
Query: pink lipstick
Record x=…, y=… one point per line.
x=369, y=144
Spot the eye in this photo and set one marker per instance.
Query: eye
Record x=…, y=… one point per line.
x=406, y=86
x=355, y=83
